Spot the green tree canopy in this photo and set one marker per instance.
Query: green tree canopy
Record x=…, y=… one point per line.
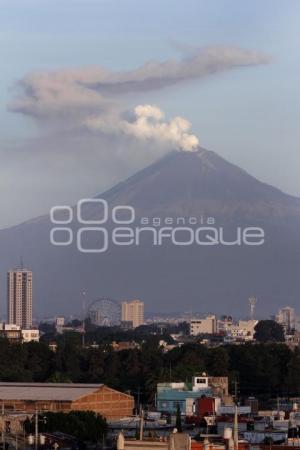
x=84, y=425
x=269, y=331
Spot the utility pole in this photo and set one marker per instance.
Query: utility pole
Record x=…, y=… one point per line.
x=236, y=418
x=235, y=392
x=3, y=426
x=142, y=425
x=139, y=400
x=36, y=429
x=236, y=429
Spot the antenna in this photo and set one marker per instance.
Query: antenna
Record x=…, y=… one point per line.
x=21, y=263
x=236, y=414
x=252, y=303
x=83, y=293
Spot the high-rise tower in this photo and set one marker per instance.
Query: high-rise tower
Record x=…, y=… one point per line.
x=19, y=297
x=133, y=311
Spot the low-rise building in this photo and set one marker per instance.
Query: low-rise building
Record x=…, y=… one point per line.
x=186, y=395
x=30, y=336
x=170, y=395
x=244, y=329
x=168, y=347
x=124, y=345
x=207, y=325
x=15, y=334
x=65, y=397
x=293, y=340
x=11, y=332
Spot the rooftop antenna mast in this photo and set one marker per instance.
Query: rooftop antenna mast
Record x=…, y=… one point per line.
x=21, y=263
x=84, y=316
x=252, y=303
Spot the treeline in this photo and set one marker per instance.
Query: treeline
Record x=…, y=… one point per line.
x=83, y=425
x=263, y=370
x=97, y=334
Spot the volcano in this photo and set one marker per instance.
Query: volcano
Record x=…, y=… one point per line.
x=168, y=277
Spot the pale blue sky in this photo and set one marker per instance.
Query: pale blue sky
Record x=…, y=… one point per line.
x=250, y=116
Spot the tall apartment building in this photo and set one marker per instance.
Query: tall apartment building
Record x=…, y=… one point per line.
x=19, y=298
x=133, y=311
x=287, y=318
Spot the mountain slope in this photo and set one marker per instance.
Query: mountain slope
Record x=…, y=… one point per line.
x=168, y=277
x=202, y=181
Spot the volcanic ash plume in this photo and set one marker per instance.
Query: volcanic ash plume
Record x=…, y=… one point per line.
x=148, y=123
x=65, y=99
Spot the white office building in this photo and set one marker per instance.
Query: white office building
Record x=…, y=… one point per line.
x=207, y=325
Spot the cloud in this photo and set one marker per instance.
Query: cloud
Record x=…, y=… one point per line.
x=148, y=124
x=78, y=91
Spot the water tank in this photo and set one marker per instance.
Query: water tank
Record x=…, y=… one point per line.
x=121, y=441
x=227, y=433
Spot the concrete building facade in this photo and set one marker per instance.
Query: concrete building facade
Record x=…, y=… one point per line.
x=286, y=317
x=207, y=325
x=15, y=334
x=19, y=298
x=133, y=311
x=30, y=335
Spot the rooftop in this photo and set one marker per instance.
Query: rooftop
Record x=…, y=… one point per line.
x=46, y=391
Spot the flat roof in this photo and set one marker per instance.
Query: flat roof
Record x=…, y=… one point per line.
x=46, y=391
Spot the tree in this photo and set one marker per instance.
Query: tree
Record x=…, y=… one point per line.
x=58, y=377
x=84, y=425
x=218, y=362
x=269, y=331
x=293, y=373
x=178, y=419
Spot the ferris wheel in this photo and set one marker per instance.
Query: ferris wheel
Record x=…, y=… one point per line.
x=105, y=312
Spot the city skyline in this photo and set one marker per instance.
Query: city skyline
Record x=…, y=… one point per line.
x=19, y=288
x=149, y=179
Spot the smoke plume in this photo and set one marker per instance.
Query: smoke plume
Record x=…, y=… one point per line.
x=149, y=124
x=47, y=93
